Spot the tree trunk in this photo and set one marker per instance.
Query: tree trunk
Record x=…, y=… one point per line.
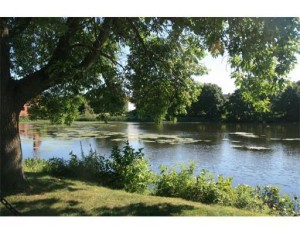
x=11, y=174
x=12, y=177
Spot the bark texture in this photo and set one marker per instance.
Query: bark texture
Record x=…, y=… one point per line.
x=11, y=174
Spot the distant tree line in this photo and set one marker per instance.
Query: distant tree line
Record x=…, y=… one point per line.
x=209, y=105
x=212, y=105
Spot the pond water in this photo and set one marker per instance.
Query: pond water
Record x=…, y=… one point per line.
x=254, y=154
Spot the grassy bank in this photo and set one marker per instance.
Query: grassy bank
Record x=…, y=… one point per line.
x=51, y=196
x=123, y=184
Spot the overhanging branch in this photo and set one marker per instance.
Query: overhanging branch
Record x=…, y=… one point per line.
x=94, y=53
x=138, y=35
x=149, y=54
x=44, y=78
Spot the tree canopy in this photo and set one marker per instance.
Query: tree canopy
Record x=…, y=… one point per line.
x=153, y=59
x=287, y=104
x=209, y=105
x=161, y=82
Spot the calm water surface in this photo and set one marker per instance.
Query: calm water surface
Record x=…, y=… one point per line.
x=254, y=154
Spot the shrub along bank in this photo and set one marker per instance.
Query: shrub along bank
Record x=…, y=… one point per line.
x=127, y=169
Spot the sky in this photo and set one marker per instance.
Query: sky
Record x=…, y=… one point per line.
x=219, y=73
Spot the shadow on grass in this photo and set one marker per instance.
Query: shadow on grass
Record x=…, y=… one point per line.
x=140, y=209
x=40, y=183
x=44, y=207
x=39, y=205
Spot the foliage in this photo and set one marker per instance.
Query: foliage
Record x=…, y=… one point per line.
x=281, y=204
x=205, y=189
x=129, y=169
x=296, y=206
x=226, y=192
x=86, y=112
x=163, y=74
x=108, y=97
x=134, y=115
x=284, y=107
x=35, y=164
x=57, y=167
x=209, y=191
x=260, y=72
x=210, y=103
x=159, y=56
x=80, y=55
x=238, y=110
x=288, y=103
x=248, y=198
x=90, y=167
x=172, y=183
x=57, y=105
x=126, y=169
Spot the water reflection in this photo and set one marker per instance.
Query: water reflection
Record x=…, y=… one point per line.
x=26, y=131
x=36, y=141
x=250, y=153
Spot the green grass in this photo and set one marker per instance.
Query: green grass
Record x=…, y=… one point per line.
x=51, y=196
